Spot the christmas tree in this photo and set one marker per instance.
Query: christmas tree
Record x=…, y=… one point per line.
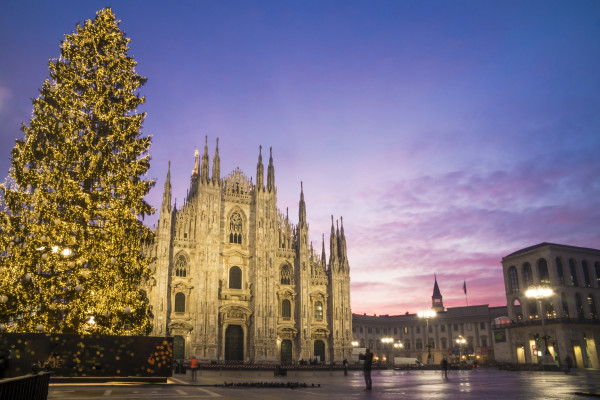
x=70, y=236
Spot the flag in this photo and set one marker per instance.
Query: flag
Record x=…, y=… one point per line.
x=465, y=287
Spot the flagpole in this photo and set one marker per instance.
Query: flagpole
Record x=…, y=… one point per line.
x=465, y=290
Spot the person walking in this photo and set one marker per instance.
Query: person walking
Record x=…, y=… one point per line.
x=445, y=368
x=194, y=367
x=368, y=362
x=569, y=364
x=345, y=366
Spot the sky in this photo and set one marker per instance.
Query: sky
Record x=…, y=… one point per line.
x=447, y=134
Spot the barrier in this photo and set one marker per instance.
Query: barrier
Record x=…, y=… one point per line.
x=26, y=387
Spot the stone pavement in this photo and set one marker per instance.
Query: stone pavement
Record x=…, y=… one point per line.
x=481, y=383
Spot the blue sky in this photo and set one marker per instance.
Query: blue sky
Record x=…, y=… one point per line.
x=447, y=134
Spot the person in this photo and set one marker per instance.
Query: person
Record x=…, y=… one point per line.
x=368, y=361
x=569, y=363
x=194, y=367
x=345, y=366
x=445, y=368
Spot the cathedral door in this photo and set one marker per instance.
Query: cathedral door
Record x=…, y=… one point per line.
x=286, y=351
x=234, y=343
x=178, y=347
x=320, y=350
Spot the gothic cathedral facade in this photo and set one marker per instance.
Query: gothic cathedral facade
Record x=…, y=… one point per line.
x=236, y=281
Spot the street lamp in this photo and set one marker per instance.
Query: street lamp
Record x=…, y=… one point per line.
x=427, y=315
x=460, y=342
x=539, y=293
x=386, y=341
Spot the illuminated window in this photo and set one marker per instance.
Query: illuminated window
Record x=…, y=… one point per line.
x=586, y=274
x=180, y=302
x=592, y=305
x=235, y=278
x=543, y=271
x=573, y=271
x=318, y=310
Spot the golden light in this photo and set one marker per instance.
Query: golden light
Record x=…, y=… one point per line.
x=426, y=314
x=539, y=292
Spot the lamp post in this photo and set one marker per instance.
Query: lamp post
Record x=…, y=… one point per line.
x=460, y=342
x=386, y=341
x=427, y=315
x=539, y=293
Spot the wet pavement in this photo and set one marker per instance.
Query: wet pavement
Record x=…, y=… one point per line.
x=481, y=383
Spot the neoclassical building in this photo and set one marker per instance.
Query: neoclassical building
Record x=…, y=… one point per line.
x=235, y=280
x=568, y=318
x=431, y=340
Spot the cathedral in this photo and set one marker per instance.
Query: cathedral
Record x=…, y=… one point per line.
x=236, y=281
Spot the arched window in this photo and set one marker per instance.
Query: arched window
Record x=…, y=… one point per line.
x=543, y=271
x=518, y=310
x=235, y=278
x=579, y=307
x=181, y=266
x=235, y=228
x=419, y=344
x=573, y=271
x=180, y=302
x=548, y=305
x=513, y=279
x=533, y=311
x=565, y=305
x=444, y=343
x=362, y=342
x=592, y=305
x=559, y=271
x=527, y=275
x=318, y=310
x=286, y=309
x=586, y=274
x=286, y=275
x=597, y=268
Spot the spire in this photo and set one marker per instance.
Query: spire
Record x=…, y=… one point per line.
x=166, y=203
x=204, y=166
x=323, y=253
x=260, y=172
x=195, y=171
x=216, y=172
x=302, y=208
x=344, y=250
x=271, y=172
x=333, y=248
x=436, y=300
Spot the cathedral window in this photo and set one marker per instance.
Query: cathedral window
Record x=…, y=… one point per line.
x=318, y=310
x=235, y=278
x=286, y=275
x=180, y=303
x=181, y=266
x=235, y=228
x=286, y=309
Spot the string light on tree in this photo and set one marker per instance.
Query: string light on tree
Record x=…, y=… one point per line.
x=69, y=227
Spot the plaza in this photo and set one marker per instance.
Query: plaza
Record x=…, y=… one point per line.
x=481, y=383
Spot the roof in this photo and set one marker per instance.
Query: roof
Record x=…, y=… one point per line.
x=547, y=244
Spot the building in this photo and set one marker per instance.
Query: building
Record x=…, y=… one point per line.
x=235, y=280
x=409, y=335
x=565, y=323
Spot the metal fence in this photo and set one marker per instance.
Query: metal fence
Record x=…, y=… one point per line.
x=27, y=387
